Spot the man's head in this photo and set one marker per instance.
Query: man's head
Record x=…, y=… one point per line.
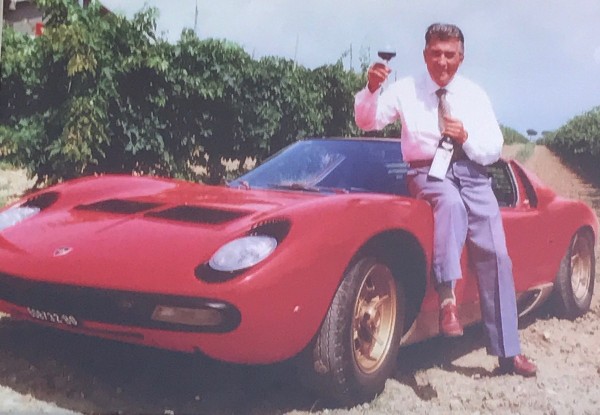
x=444, y=52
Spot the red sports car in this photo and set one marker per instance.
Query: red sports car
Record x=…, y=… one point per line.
x=318, y=254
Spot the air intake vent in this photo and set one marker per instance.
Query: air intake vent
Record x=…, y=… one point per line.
x=126, y=207
x=277, y=228
x=42, y=201
x=198, y=214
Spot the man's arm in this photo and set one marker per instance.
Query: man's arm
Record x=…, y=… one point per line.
x=484, y=142
x=373, y=111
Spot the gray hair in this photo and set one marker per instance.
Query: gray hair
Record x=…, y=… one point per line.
x=444, y=31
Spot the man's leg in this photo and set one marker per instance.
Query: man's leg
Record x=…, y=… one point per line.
x=449, y=222
x=489, y=256
x=449, y=235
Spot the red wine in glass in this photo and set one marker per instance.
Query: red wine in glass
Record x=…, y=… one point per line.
x=386, y=54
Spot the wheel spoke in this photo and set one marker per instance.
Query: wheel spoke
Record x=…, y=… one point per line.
x=374, y=319
x=381, y=302
x=581, y=267
x=378, y=340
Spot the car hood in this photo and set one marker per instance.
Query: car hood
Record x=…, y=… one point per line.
x=121, y=232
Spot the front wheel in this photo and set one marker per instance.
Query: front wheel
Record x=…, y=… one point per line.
x=574, y=284
x=357, y=346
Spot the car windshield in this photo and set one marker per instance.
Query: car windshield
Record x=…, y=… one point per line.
x=332, y=166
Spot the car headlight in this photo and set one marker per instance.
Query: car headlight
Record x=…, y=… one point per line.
x=16, y=214
x=243, y=253
x=26, y=209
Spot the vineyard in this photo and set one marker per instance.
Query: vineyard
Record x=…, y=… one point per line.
x=578, y=142
x=98, y=93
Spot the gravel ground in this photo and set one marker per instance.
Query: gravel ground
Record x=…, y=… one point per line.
x=44, y=371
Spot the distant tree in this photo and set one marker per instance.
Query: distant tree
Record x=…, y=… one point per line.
x=531, y=133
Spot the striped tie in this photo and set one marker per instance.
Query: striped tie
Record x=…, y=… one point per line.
x=443, y=107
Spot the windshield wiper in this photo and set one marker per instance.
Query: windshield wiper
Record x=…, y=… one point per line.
x=241, y=184
x=306, y=188
x=294, y=186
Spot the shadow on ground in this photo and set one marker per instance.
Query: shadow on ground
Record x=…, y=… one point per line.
x=91, y=375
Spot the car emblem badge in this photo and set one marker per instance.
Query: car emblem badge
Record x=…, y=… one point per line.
x=62, y=251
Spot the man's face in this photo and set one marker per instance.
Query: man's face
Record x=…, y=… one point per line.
x=443, y=57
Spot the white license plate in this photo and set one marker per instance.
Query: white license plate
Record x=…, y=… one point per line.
x=50, y=317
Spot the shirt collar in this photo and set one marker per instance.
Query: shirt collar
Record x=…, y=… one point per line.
x=431, y=86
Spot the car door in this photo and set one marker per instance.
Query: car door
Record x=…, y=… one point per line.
x=528, y=231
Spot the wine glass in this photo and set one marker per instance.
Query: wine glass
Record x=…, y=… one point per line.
x=387, y=53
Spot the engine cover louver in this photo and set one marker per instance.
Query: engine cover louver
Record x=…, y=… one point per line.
x=198, y=214
x=122, y=206
x=183, y=213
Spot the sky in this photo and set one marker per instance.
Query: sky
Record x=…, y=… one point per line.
x=538, y=60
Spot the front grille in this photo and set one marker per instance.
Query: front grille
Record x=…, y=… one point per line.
x=125, y=308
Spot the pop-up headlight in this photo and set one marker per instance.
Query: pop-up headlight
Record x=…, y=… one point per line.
x=242, y=253
x=16, y=214
x=30, y=207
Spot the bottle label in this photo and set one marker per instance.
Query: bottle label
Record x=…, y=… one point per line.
x=441, y=161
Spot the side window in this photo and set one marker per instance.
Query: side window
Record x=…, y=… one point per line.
x=530, y=196
x=503, y=184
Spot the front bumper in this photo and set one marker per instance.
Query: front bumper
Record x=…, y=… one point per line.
x=75, y=305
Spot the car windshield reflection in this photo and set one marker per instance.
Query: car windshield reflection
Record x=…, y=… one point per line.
x=332, y=166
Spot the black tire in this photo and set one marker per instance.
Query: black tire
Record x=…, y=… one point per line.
x=574, y=284
x=345, y=364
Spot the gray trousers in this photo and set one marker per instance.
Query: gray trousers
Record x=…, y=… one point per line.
x=465, y=209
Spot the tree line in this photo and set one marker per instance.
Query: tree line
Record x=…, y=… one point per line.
x=578, y=142
x=99, y=93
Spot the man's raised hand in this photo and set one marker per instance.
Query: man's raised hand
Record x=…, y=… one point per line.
x=377, y=75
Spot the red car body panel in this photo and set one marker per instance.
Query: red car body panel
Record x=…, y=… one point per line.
x=282, y=300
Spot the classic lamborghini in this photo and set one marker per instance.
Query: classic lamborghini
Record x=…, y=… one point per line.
x=318, y=254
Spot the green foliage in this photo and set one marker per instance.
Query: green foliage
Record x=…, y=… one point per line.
x=512, y=136
x=579, y=141
x=525, y=152
x=547, y=137
x=531, y=132
x=580, y=136
x=100, y=93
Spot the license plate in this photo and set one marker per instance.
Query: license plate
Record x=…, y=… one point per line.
x=50, y=317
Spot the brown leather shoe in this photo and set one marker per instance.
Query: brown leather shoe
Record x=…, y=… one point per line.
x=519, y=365
x=449, y=324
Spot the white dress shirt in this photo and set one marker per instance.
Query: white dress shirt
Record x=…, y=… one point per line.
x=413, y=101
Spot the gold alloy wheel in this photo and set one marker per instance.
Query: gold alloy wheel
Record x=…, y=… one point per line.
x=581, y=266
x=374, y=320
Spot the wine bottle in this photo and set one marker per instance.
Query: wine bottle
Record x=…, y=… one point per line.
x=442, y=158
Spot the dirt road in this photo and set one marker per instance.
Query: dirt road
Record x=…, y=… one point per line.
x=42, y=371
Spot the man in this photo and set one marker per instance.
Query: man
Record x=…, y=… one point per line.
x=438, y=104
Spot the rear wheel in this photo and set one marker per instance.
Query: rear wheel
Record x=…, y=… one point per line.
x=356, y=349
x=574, y=283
